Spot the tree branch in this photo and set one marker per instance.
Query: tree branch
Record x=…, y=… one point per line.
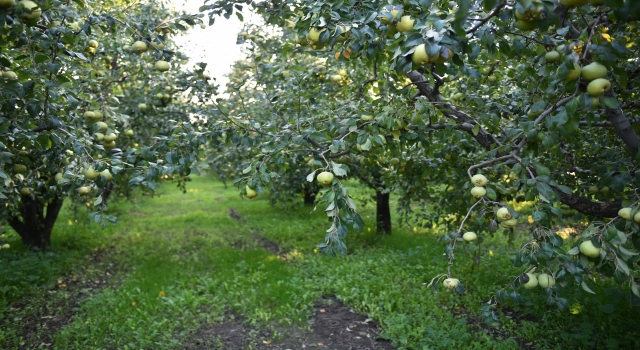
x=489, y=16
x=486, y=140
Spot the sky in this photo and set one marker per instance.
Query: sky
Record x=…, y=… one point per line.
x=214, y=45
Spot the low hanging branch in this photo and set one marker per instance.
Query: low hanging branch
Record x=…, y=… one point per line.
x=487, y=141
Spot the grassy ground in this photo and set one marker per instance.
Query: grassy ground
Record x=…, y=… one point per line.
x=179, y=261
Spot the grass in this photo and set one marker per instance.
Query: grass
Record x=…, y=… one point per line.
x=188, y=263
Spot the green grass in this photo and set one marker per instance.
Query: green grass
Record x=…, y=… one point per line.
x=189, y=263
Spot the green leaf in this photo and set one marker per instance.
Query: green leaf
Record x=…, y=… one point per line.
x=586, y=288
x=491, y=194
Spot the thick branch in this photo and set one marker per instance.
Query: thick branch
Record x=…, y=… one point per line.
x=623, y=128
x=483, y=137
x=486, y=140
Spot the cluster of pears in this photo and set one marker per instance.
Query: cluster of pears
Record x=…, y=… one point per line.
x=595, y=73
x=404, y=24
x=539, y=279
x=313, y=37
x=337, y=78
x=479, y=181
x=527, y=20
x=92, y=115
x=628, y=214
x=506, y=219
x=108, y=140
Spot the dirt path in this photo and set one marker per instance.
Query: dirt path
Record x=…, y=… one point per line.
x=38, y=318
x=333, y=325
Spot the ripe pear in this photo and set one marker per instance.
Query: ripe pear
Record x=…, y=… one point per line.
x=394, y=13
x=99, y=136
x=593, y=189
x=405, y=24
x=525, y=26
x=479, y=180
x=110, y=137
x=314, y=34
x=162, y=66
x=20, y=168
x=94, y=44
x=503, y=214
x=625, y=213
x=25, y=191
x=478, y=192
x=533, y=281
x=574, y=73
x=90, y=172
x=103, y=126
x=593, y=71
x=636, y=217
x=598, y=87
x=89, y=115
x=58, y=177
x=140, y=46
x=325, y=178
x=11, y=75
x=587, y=248
x=420, y=55
x=106, y=174
x=336, y=78
x=128, y=132
x=142, y=106
x=84, y=190
x=29, y=10
x=250, y=192
x=469, y=236
x=546, y=281
x=552, y=56
x=451, y=283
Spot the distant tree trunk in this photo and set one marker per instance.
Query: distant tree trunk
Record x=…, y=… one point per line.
x=383, y=212
x=309, y=197
x=106, y=193
x=32, y=225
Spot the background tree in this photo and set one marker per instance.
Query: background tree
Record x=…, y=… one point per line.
x=535, y=95
x=77, y=120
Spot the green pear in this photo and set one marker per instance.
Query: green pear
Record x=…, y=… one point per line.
x=598, y=87
x=593, y=71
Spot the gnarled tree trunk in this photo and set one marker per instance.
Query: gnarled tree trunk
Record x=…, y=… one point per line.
x=33, y=225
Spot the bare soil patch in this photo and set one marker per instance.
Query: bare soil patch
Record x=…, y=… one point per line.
x=334, y=326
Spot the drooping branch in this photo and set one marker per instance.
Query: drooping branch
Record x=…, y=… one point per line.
x=482, y=137
x=486, y=140
x=623, y=128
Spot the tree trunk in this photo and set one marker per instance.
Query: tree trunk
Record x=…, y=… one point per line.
x=32, y=225
x=106, y=193
x=309, y=198
x=383, y=213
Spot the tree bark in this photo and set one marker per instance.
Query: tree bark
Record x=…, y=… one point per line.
x=623, y=128
x=309, y=198
x=32, y=225
x=383, y=212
